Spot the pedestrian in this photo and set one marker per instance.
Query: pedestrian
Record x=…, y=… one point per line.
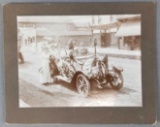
x=45, y=71
x=20, y=55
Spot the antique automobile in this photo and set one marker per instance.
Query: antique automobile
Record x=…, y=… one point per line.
x=83, y=73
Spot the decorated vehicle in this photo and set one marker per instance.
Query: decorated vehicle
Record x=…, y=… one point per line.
x=82, y=73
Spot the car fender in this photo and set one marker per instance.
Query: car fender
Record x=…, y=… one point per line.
x=76, y=74
x=118, y=68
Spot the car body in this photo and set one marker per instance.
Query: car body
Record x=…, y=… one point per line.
x=81, y=72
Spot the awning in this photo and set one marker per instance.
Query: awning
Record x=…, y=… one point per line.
x=129, y=29
x=105, y=26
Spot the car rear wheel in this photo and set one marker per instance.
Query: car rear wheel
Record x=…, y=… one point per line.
x=117, y=81
x=83, y=85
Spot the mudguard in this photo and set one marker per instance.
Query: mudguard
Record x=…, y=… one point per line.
x=119, y=68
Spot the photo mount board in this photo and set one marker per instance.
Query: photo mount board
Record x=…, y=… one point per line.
x=81, y=115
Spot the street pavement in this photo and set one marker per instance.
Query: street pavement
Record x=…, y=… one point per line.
x=33, y=94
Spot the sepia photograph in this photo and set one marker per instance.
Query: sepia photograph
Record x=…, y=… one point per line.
x=79, y=60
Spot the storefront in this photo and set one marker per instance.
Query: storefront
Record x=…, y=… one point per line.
x=129, y=35
x=105, y=34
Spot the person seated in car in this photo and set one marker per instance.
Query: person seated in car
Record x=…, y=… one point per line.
x=71, y=50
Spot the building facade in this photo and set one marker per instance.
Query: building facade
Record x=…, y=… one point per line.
x=118, y=31
x=109, y=31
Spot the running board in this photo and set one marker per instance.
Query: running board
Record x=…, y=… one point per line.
x=100, y=84
x=65, y=79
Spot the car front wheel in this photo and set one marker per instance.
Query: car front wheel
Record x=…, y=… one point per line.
x=83, y=85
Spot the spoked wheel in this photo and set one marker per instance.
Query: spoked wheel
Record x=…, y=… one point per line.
x=83, y=85
x=117, y=81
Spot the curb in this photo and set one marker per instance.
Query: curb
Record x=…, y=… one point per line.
x=136, y=57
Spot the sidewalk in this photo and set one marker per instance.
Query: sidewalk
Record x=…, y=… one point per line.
x=117, y=52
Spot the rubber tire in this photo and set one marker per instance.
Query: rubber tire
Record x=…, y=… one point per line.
x=87, y=84
x=119, y=86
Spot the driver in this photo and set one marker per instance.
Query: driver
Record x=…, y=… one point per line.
x=71, y=46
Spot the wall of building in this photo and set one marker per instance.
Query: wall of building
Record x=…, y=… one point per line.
x=103, y=37
x=132, y=42
x=114, y=40
x=80, y=40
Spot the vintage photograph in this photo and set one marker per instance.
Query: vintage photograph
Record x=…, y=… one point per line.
x=79, y=61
